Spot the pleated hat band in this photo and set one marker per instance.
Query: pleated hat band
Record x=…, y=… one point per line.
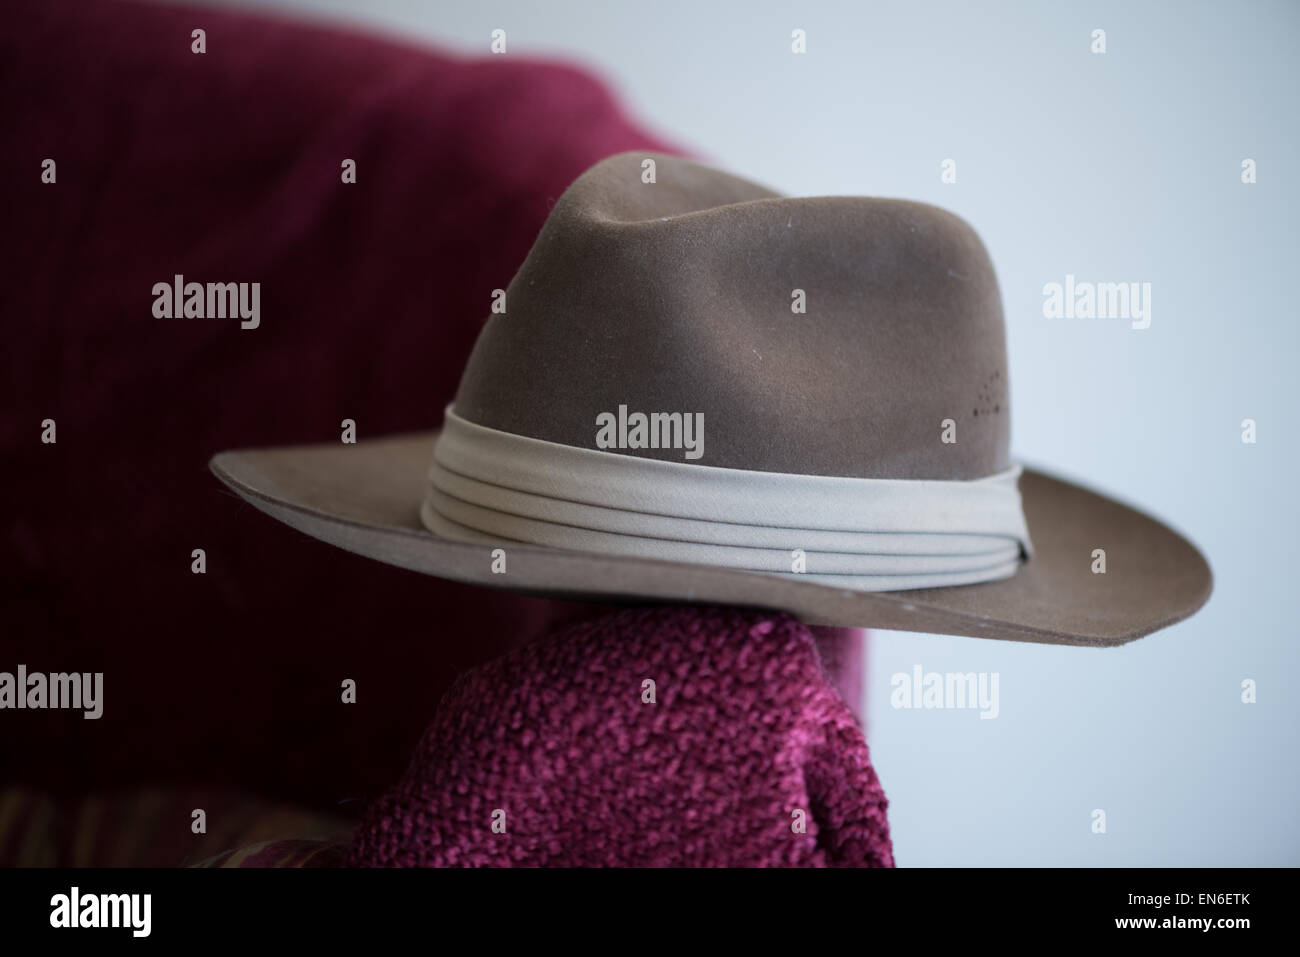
x=491, y=486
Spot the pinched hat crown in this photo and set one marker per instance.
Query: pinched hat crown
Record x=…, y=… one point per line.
x=835, y=336
x=701, y=391
x=691, y=368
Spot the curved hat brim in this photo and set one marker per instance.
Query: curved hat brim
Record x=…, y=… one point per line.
x=366, y=497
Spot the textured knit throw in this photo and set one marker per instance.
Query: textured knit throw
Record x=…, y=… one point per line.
x=646, y=737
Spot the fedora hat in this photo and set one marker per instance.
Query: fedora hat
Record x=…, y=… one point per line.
x=698, y=390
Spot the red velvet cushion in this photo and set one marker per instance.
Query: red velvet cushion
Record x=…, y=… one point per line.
x=225, y=166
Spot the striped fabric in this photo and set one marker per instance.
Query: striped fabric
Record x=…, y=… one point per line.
x=282, y=854
x=153, y=829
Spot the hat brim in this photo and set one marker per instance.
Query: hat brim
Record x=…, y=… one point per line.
x=366, y=497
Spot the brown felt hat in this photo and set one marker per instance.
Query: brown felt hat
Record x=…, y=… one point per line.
x=696, y=389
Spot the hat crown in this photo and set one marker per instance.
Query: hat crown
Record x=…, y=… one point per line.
x=682, y=295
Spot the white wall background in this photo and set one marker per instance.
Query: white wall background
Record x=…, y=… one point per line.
x=1117, y=167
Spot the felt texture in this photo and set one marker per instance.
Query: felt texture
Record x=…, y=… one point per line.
x=741, y=753
x=676, y=296
x=365, y=499
x=226, y=166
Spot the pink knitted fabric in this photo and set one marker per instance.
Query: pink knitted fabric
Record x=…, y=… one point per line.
x=559, y=745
